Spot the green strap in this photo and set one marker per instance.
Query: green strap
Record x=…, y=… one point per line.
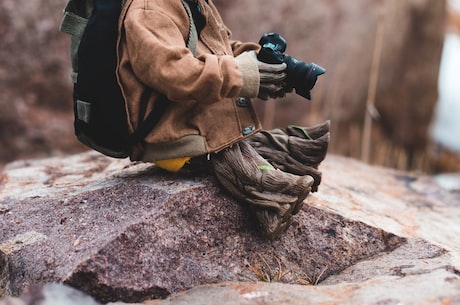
x=303, y=130
x=192, y=40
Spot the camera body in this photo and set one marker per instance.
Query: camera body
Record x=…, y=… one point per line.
x=300, y=75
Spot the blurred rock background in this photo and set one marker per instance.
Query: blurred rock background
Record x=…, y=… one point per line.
x=35, y=89
x=446, y=124
x=382, y=59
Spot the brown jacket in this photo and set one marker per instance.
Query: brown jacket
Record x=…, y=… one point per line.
x=205, y=113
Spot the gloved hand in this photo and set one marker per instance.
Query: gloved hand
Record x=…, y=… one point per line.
x=272, y=78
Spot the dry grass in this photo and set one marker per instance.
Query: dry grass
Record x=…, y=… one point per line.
x=275, y=271
x=262, y=270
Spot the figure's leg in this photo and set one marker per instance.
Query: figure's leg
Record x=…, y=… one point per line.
x=274, y=196
x=297, y=150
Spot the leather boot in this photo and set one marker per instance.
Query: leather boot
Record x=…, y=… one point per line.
x=273, y=195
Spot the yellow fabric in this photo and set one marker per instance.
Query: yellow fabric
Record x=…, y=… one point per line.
x=172, y=165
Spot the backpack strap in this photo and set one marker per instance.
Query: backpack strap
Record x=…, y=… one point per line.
x=192, y=40
x=72, y=23
x=76, y=14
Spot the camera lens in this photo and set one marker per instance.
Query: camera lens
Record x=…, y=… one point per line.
x=302, y=76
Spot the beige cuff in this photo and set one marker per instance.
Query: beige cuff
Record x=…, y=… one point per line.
x=250, y=71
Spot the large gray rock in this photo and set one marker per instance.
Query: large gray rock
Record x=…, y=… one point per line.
x=128, y=231
x=122, y=231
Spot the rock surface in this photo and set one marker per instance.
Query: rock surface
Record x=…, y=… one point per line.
x=129, y=232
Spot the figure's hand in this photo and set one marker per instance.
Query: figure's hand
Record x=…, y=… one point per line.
x=272, y=78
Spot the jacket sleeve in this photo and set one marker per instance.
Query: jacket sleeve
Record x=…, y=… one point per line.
x=161, y=60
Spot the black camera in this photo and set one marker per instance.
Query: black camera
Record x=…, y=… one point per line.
x=300, y=75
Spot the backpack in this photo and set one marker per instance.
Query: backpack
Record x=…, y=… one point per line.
x=100, y=120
